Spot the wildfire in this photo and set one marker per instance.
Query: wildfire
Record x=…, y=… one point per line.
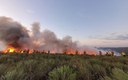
x=30, y=51
x=9, y=50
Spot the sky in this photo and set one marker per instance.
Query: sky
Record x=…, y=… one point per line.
x=97, y=23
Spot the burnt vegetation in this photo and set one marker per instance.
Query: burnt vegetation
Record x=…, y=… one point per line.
x=47, y=66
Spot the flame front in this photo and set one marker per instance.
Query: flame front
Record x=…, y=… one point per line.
x=30, y=51
x=11, y=50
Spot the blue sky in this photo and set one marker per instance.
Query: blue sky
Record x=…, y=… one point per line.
x=92, y=22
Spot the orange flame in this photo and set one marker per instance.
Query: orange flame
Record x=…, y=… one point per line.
x=9, y=50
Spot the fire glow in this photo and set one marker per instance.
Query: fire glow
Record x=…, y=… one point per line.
x=9, y=50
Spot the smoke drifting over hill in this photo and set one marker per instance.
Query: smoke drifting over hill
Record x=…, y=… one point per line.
x=13, y=34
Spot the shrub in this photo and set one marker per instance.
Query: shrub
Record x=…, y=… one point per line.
x=3, y=69
x=15, y=74
x=98, y=71
x=8, y=59
x=125, y=68
x=106, y=78
x=82, y=67
x=30, y=70
x=95, y=61
x=62, y=73
x=119, y=74
x=84, y=72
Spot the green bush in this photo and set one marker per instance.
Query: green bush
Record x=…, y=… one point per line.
x=84, y=72
x=8, y=59
x=62, y=73
x=98, y=72
x=95, y=61
x=3, y=69
x=30, y=70
x=119, y=74
x=15, y=74
x=106, y=78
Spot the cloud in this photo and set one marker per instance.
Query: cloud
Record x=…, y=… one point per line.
x=117, y=37
x=112, y=36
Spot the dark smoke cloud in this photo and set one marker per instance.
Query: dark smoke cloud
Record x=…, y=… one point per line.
x=13, y=34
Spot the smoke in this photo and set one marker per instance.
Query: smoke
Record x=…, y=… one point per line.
x=13, y=34
x=47, y=40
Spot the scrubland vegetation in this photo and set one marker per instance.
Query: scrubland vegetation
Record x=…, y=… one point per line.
x=38, y=66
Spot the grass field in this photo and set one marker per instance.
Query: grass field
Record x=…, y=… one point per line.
x=38, y=66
